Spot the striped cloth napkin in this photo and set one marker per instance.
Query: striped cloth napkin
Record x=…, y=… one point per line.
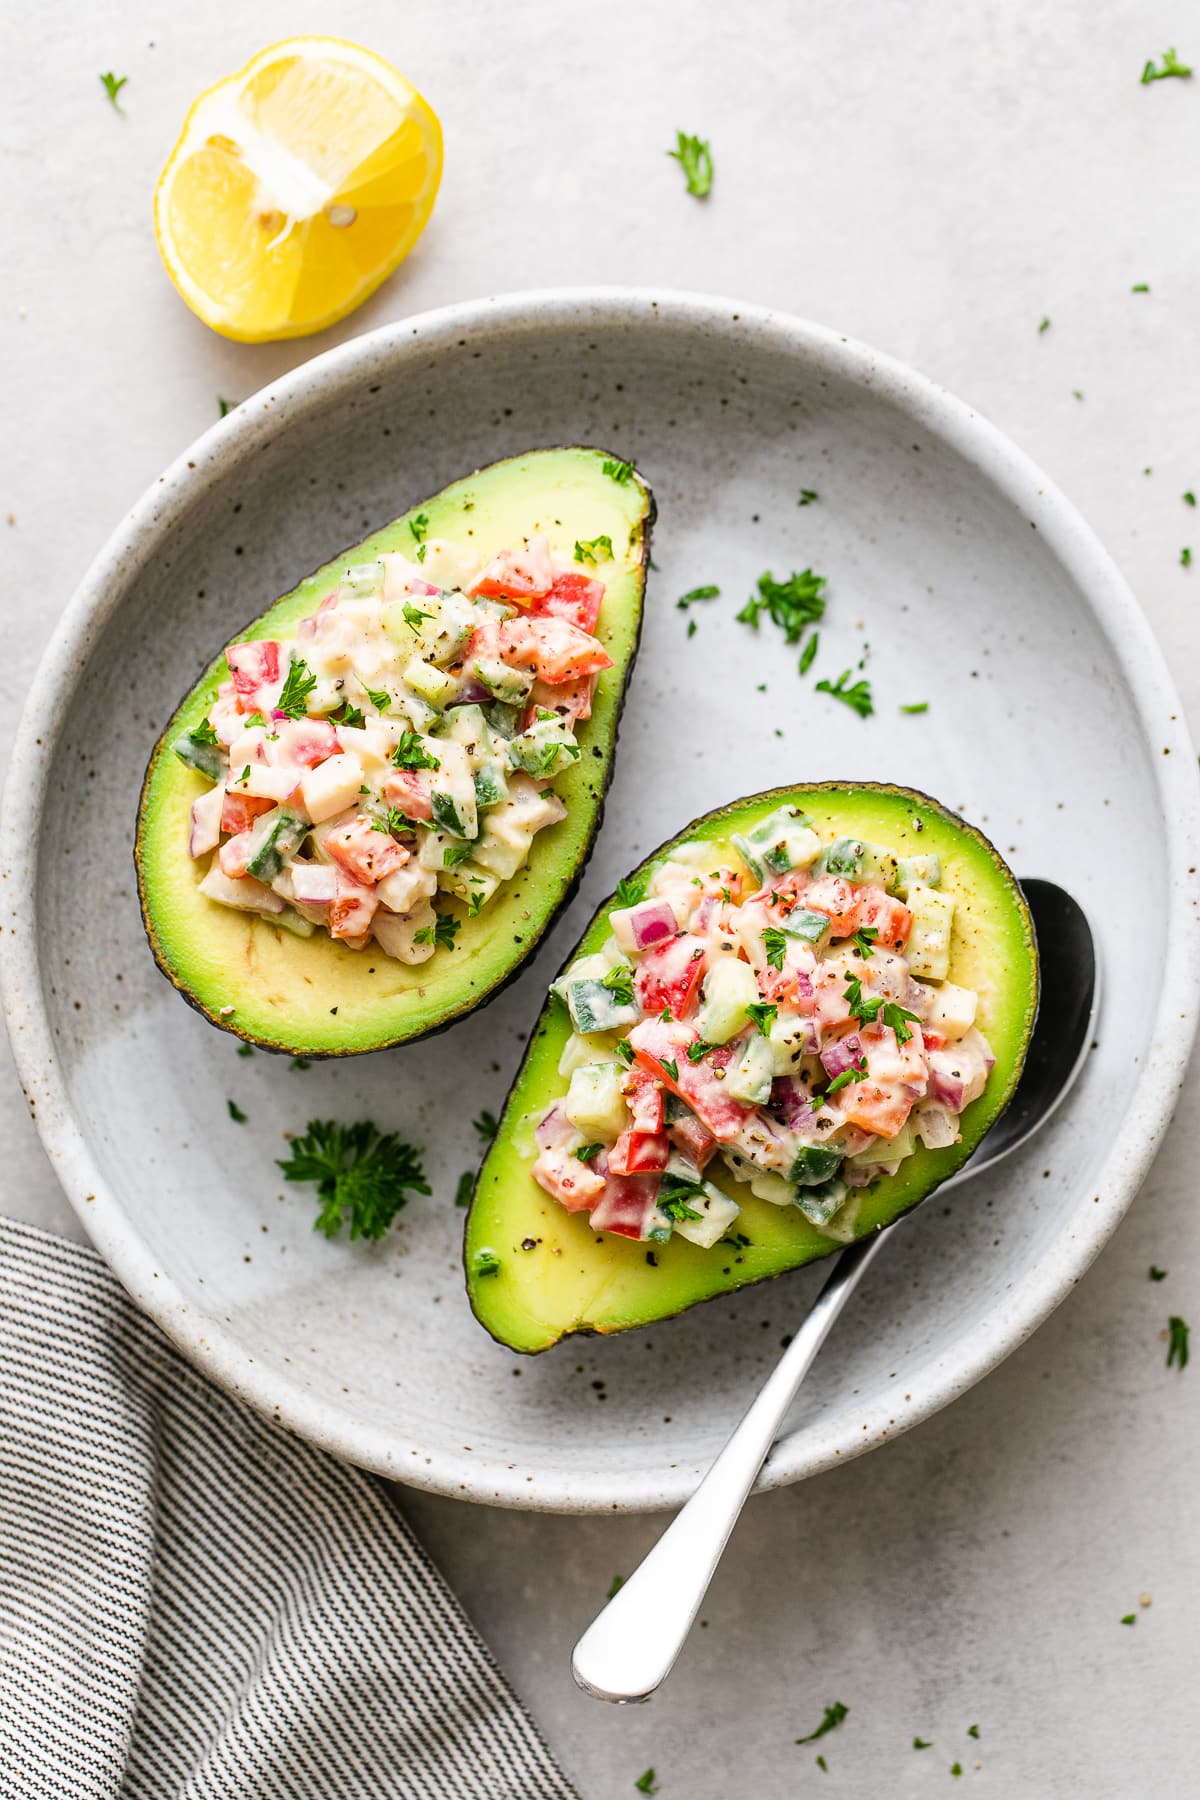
x=196, y=1606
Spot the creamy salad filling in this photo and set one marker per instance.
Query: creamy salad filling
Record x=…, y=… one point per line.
x=782, y=1016
x=403, y=747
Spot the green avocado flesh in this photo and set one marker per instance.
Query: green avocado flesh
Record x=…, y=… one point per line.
x=314, y=995
x=573, y=1279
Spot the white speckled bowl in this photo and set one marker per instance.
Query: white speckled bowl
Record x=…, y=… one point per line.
x=1052, y=724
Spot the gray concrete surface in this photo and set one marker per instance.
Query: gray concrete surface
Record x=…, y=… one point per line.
x=935, y=180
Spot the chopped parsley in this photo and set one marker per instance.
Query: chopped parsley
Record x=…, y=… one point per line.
x=485, y=1126
x=809, y=654
x=698, y=1051
x=619, y=982
x=586, y=1152
x=462, y=1193
x=678, y=1209
x=592, y=549
x=624, y=1050
x=621, y=472
x=1185, y=558
x=363, y=1175
x=1044, y=326
x=112, y=85
x=441, y=934
x=630, y=889
x=764, y=1016
x=857, y=697
x=973, y=1731
x=618, y=1582
x=1157, y=1274
x=856, y=1072
x=694, y=156
x=670, y=1068
x=956, y=1768
x=453, y=854
x=485, y=1262
x=922, y=1743
x=380, y=698
x=711, y=592
x=419, y=526
x=297, y=687
x=245, y=1049
x=1129, y=1619
x=244, y=777
x=793, y=604
x=1189, y=499
x=864, y=938
x=774, y=943
x=645, y=1783
x=691, y=630
x=1177, y=1346
x=301, y=1063
x=1140, y=287
x=227, y=406
x=203, y=733
x=807, y=496
x=413, y=616
x=235, y=1112
x=347, y=714
x=833, y=1717
x=410, y=753
x=1171, y=65
x=822, y=1764
x=917, y=706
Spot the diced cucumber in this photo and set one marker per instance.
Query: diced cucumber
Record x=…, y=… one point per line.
x=859, y=862
x=295, y=922
x=447, y=816
x=575, y=1053
x=818, y=1204
x=593, y=1007
x=491, y=785
x=814, y=1164
x=729, y=988
x=430, y=684
x=766, y=1183
x=452, y=791
x=812, y=928
x=927, y=870
x=545, y=748
x=210, y=759
x=364, y=581
x=783, y=840
x=594, y=1102
x=928, y=948
x=658, y=1228
x=887, y=1150
x=790, y=1038
x=469, y=883
x=276, y=835
x=434, y=626
x=951, y=1010
x=504, y=683
x=717, y=1213
x=503, y=718
x=750, y=1077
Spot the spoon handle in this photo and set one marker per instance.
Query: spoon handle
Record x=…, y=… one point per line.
x=632, y=1645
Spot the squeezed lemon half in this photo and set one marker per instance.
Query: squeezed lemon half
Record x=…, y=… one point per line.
x=296, y=187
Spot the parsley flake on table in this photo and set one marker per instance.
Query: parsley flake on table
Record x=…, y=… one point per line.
x=973, y=1731
x=709, y=592
x=857, y=696
x=1044, y=326
x=1185, y=558
x=793, y=604
x=1189, y=499
x=1129, y=1619
x=298, y=685
x=618, y=1582
x=694, y=156
x=235, y=1112
x=1157, y=1274
x=922, y=1743
x=485, y=1126
x=822, y=1764
x=809, y=654
x=462, y=1193
x=833, y=1717
x=245, y=1049
x=300, y=1063
x=956, y=1768
x=1140, y=287
x=645, y=1783
x=1171, y=65
x=363, y=1175
x=916, y=706
x=227, y=406
x=1177, y=1342
x=807, y=496
x=112, y=85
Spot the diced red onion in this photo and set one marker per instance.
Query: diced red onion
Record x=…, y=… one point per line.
x=471, y=693
x=857, y=1175
x=945, y=1087
x=795, y=1107
x=853, y=1139
x=315, y=884
x=842, y=1054
x=650, y=922
x=555, y=1130
x=935, y=1125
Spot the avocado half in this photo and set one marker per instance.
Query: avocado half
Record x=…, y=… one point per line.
x=313, y=996
x=536, y=1274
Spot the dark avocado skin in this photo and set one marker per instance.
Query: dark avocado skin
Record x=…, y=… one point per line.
x=588, y=809
x=579, y=1282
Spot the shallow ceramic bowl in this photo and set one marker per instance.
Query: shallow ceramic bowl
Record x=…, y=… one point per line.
x=1051, y=724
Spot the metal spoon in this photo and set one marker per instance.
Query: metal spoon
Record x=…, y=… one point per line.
x=631, y=1647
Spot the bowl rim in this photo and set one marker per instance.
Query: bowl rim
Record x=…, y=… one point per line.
x=204, y=1337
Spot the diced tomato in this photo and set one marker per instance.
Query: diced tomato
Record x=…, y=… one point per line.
x=645, y=1097
x=626, y=1205
x=573, y=1184
x=352, y=909
x=639, y=1153
x=484, y=640
x=890, y=918
x=257, y=674
x=571, y=700
x=693, y=1140
x=896, y=1079
x=524, y=574
x=302, y=742
x=409, y=790
x=309, y=627
x=238, y=811
x=365, y=852
x=839, y=900
x=656, y=1043
x=574, y=597
x=235, y=854
x=669, y=975
x=782, y=893
x=830, y=1006
x=554, y=649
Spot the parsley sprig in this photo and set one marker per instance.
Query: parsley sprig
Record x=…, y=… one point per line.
x=592, y=549
x=619, y=982
x=620, y=472
x=1171, y=65
x=441, y=934
x=895, y=1017
x=774, y=943
x=793, y=604
x=857, y=696
x=763, y=1014
x=112, y=85
x=363, y=1176
x=298, y=685
x=410, y=753
x=709, y=592
x=694, y=156
x=630, y=889
x=833, y=1717
x=1177, y=1342
x=203, y=733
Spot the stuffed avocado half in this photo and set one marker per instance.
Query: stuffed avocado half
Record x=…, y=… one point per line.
x=783, y=1031
x=361, y=820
